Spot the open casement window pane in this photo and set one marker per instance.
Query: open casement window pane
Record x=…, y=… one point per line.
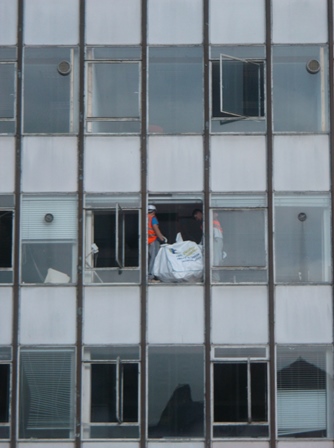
x=302, y=238
x=4, y=400
x=50, y=90
x=240, y=396
x=49, y=232
x=112, y=238
x=303, y=390
x=241, y=87
x=113, y=381
x=6, y=246
x=176, y=390
x=47, y=394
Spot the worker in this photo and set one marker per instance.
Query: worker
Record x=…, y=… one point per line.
x=154, y=239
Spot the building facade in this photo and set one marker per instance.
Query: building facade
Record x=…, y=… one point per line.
x=224, y=107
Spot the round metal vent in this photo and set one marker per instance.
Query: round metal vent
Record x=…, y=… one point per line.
x=313, y=66
x=64, y=68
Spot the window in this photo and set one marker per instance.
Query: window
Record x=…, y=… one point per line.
x=175, y=90
x=113, y=90
x=238, y=235
x=5, y=371
x=240, y=393
x=304, y=388
x=47, y=393
x=238, y=86
x=48, y=234
x=182, y=262
x=300, y=88
x=176, y=392
x=112, y=239
x=6, y=238
x=7, y=90
x=112, y=383
x=302, y=238
x=50, y=90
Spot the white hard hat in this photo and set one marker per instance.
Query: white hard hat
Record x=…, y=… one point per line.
x=151, y=208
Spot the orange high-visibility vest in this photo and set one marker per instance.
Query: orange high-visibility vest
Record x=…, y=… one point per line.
x=216, y=225
x=151, y=236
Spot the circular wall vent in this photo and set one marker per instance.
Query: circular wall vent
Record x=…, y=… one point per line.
x=64, y=68
x=313, y=66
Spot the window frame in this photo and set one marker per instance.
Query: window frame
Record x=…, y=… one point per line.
x=241, y=355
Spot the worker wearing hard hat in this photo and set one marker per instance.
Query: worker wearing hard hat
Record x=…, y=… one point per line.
x=154, y=238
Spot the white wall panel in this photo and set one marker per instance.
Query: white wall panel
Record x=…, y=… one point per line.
x=8, y=22
x=113, y=22
x=175, y=164
x=239, y=444
x=239, y=315
x=49, y=164
x=7, y=164
x=112, y=164
x=237, y=21
x=112, y=315
x=238, y=163
x=46, y=445
x=301, y=163
x=303, y=314
x=176, y=444
x=176, y=314
x=306, y=444
x=6, y=315
x=50, y=22
x=47, y=315
x=167, y=19
x=110, y=445
x=299, y=21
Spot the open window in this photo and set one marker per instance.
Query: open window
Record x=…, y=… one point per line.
x=49, y=239
x=111, y=382
x=46, y=393
x=7, y=90
x=113, y=90
x=240, y=392
x=112, y=239
x=304, y=391
x=240, y=254
x=5, y=371
x=6, y=238
x=238, y=90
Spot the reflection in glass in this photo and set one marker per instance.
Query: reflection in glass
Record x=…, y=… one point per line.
x=300, y=96
x=176, y=392
x=7, y=97
x=175, y=90
x=302, y=238
x=303, y=387
x=50, y=90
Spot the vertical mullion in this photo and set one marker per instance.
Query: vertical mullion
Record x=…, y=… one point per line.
x=271, y=286
x=14, y=407
x=81, y=257
x=206, y=209
x=143, y=239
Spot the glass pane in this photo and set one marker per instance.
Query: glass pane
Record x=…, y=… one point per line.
x=47, y=394
x=48, y=233
x=300, y=88
x=4, y=393
x=50, y=90
x=175, y=90
x=230, y=392
x=176, y=392
x=115, y=90
x=302, y=391
x=6, y=238
x=103, y=393
x=258, y=372
x=302, y=239
x=7, y=90
x=130, y=392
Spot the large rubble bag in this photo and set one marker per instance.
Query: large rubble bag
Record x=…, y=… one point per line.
x=179, y=262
